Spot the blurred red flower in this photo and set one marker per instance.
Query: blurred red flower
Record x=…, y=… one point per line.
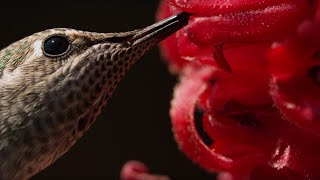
x=252, y=70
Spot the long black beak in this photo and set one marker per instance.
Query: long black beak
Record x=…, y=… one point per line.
x=160, y=30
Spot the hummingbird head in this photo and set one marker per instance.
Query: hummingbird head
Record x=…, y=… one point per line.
x=54, y=84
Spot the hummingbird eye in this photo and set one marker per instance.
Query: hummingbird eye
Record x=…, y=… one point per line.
x=56, y=45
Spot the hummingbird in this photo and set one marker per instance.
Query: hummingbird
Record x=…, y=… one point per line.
x=54, y=83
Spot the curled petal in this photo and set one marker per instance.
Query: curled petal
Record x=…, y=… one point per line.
x=185, y=99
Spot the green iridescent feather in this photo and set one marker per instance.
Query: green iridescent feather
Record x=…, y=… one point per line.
x=14, y=54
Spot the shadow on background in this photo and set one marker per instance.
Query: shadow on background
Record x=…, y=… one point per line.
x=135, y=124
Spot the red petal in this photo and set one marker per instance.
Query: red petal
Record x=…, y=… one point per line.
x=185, y=98
x=293, y=88
x=222, y=6
x=270, y=23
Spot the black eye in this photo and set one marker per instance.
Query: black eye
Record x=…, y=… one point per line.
x=315, y=74
x=56, y=46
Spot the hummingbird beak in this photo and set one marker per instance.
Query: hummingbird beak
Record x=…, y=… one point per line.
x=160, y=30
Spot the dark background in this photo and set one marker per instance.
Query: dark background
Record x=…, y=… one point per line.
x=135, y=124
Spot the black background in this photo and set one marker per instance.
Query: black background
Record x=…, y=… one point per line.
x=135, y=124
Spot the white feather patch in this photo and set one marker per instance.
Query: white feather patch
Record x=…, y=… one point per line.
x=37, y=46
x=9, y=77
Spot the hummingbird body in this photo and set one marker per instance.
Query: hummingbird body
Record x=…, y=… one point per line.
x=53, y=85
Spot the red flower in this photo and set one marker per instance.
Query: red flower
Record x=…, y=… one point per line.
x=134, y=170
x=252, y=68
